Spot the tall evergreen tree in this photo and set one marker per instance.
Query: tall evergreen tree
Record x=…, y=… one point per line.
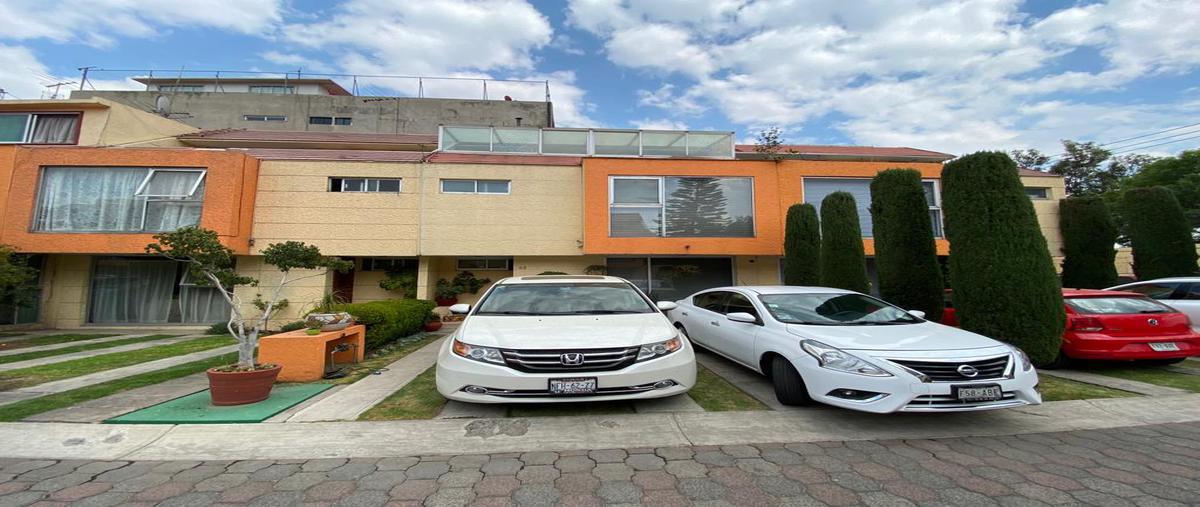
x=1159, y=233
x=905, y=254
x=697, y=207
x=843, y=264
x=802, y=246
x=1088, y=237
x=1005, y=285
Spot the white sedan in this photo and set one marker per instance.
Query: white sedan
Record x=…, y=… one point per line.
x=535, y=339
x=851, y=350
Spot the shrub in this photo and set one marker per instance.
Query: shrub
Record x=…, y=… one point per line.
x=552, y=273
x=1088, y=236
x=218, y=328
x=292, y=326
x=802, y=246
x=1005, y=286
x=389, y=320
x=905, y=254
x=842, y=262
x=1159, y=233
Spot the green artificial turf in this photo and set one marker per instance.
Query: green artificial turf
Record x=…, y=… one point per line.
x=197, y=408
x=34, y=375
x=715, y=394
x=49, y=340
x=37, y=354
x=1061, y=389
x=418, y=399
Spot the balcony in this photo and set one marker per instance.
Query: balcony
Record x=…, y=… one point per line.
x=587, y=142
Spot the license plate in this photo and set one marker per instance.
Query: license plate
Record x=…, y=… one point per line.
x=987, y=392
x=586, y=385
x=1164, y=346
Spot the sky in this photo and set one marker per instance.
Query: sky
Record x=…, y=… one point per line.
x=954, y=76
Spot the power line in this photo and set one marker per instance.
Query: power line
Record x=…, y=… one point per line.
x=1159, y=144
x=1110, y=143
x=1137, y=144
x=1150, y=134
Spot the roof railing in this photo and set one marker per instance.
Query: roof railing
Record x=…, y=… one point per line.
x=587, y=142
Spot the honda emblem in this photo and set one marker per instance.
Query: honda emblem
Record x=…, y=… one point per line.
x=571, y=359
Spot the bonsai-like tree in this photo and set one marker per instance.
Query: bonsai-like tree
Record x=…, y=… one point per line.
x=211, y=263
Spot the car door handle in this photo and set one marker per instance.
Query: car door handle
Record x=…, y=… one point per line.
x=715, y=323
x=684, y=314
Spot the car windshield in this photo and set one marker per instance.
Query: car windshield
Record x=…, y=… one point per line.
x=834, y=310
x=563, y=299
x=1116, y=305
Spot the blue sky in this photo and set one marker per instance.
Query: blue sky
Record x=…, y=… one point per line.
x=955, y=76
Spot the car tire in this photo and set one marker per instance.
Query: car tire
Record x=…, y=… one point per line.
x=789, y=385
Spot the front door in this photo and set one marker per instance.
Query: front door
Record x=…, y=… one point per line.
x=343, y=285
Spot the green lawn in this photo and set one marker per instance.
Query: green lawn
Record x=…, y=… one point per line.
x=1060, y=389
x=417, y=400
x=22, y=409
x=384, y=356
x=1151, y=375
x=23, y=377
x=35, y=354
x=715, y=394
x=49, y=340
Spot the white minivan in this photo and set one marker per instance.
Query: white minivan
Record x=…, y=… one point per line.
x=551, y=338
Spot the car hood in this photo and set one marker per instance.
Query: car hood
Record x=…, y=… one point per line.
x=900, y=337
x=565, y=331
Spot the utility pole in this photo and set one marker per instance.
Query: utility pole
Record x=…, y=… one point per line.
x=83, y=78
x=57, y=87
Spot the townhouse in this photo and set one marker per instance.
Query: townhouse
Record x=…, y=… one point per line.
x=672, y=211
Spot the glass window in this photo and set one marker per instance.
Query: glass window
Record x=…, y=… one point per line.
x=466, y=138
x=515, y=140
x=107, y=199
x=664, y=144
x=163, y=183
x=475, y=186
x=616, y=143
x=273, y=89
x=709, y=145
x=12, y=127
x=151, y=291
x=389, y=185
x=180, y=88
x=935, y=208
x=636, y=191
x=834, y=309
x=816, y=189
x=711, y=301
x=320, y=120
x=694, y=207
x=739, y=303
x=343, y=121
x=565, y=142
x=458, y=186
x=492, y=186
x=1116, y=305
x=563, y=299
x=1037, y=192
x=1193, y=291
x=39, y=128
x=1154, y=290
x=484, y=263
x=264, y=117
x=635, y=222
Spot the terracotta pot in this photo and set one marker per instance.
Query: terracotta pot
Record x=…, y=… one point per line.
x=445, y=301
x=433, y=325
x=241, y=387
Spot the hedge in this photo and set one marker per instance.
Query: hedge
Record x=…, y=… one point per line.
x=389, y=320
x=1159, y=233
x=843, y=264
x=1005, y=285
x=1089, y=234
x=905, y=254
x=802, y=246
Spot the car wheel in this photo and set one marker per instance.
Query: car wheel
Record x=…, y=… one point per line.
x=789, y=386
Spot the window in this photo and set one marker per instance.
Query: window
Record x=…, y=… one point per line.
x=475, y=186
x=273, y=89
x=180, y=88
x=565, y=142
x=739, y=303
x=1037, y=192
x=681, y=206
x=515, y=140
x=383, y=185
x=673, y=278
x=484, y=263
x=343, y=120
x=617, y=143
x=1154, y=290
x=39, y=128
x=816, y=189
x=388, y=264
x=320, y=120
x=711, y=301
x=664, y=144
x=563, y=299
x=1116, y=305
x=118, y=199
x=264, y=117
x=621, y=143
x=466, y=139
x=127, y=290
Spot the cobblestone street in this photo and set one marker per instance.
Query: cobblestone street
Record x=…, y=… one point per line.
x=1148, y=465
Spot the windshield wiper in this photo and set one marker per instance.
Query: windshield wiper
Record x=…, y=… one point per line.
x=509, y=312
x=601, y=312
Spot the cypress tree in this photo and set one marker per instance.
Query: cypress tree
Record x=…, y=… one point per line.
x=905, y=254
x=697, y=207
x=843, y=264
x=1160, y=234
x=1005, y=285
x=802, y=246
x=1088, y=236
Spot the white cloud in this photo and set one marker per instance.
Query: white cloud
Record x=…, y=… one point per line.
x=658, y=124
x=19, y=69
x=295, y=61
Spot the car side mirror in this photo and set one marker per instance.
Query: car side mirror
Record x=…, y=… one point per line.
x=666, y=306
x=460, y=308
x=917, y=313
x=742, y=317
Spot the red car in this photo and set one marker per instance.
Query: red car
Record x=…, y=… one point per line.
x=1113, y=325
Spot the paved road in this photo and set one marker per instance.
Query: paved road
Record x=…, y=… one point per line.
x=1148, y=465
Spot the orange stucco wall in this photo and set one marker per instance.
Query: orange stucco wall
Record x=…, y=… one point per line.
x=228, y=197
x=777, y=185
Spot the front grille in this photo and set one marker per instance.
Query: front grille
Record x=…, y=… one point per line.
x=947, y=371
x=538, y=361
x=946, y=401
x=602, y=391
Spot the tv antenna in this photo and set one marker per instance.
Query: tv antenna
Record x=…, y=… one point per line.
x=57, y=87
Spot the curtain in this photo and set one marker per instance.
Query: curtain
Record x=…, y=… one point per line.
x=81, y=199
x=201, y=305
x=54, y=129
x=172, y=214
x=132, y=291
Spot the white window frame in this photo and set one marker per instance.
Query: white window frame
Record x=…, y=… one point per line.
x=200, y=174
x=937, y=198
x=475, y=183
x=31, y=125
x=287, y=89
x=1045, y=192
x=265, y=117
x=661, y=205
x=937, y=201
x=366, y=185
x=486, y=263
x=591, y=142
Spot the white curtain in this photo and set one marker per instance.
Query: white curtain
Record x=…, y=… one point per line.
x=201, y=305
x=132, y=291
x=78, y=199
x=172, y=214
x=54, y=128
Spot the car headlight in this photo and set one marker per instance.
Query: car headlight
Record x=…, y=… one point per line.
x=477, y=353
x=1026, y=364
x=840, y=360
x=653, y=350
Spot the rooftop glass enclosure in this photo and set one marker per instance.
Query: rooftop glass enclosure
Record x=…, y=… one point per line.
x=582, y=142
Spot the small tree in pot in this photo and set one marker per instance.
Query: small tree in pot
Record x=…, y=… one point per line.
x=211, y=263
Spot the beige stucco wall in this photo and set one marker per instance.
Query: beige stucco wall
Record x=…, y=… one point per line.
x=573, y=265
x=1047, y=212
x=65, y=291
x=126, y=126
x=756, y=270
x=303, y=292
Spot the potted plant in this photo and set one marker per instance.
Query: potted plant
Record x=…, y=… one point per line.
x=211, y=263
x=323, y=316
x=446, y=291
x=402, y=281
x=432, y=322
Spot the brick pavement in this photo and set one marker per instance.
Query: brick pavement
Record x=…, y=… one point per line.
x=1146, y=465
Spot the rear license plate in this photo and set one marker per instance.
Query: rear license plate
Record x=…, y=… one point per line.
x=1164, y=346
x=985, y=392
x=585, y=385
